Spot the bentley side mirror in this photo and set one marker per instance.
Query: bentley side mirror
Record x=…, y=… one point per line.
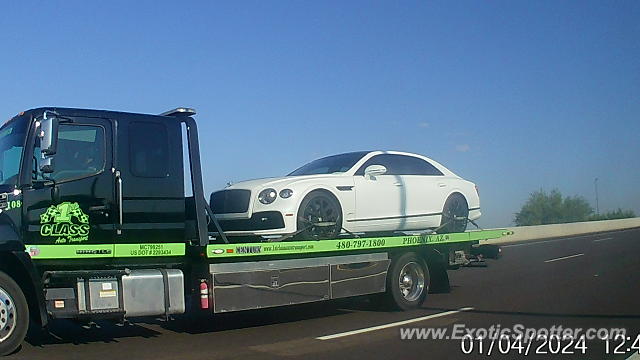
x=372, y=171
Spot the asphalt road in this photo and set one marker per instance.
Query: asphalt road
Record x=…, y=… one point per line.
x=579, y=282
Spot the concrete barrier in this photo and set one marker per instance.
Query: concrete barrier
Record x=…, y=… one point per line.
x=524, y=233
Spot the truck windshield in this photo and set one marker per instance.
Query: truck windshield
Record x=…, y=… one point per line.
x=12, y=136
x=330, y=164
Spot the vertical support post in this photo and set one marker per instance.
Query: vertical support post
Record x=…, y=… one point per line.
x=196, y=180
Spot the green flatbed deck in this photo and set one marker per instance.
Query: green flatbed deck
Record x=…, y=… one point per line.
x=346, y=245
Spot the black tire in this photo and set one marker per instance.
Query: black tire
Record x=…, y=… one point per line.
x=319, y=207
x=407, y=293
x=454, y=209
x=14, y=315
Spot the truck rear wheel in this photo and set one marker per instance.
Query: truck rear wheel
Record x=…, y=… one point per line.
x=407, y=282
x=14, y=315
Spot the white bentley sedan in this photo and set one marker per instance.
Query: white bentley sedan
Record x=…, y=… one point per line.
x=358, y=192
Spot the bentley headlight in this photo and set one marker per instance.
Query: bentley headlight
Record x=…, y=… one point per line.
x=286, y=193
x=267, y=196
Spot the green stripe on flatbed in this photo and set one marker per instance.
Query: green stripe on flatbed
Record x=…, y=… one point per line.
x=344, y=245
x=86, y=251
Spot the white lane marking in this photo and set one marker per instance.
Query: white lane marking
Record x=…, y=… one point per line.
x=398, y=323
x=542, y=242
x=563, y=258
x=529, y=243
x=605, y=239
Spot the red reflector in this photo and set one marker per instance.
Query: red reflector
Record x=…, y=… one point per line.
x=204, y=295
x=229, y=250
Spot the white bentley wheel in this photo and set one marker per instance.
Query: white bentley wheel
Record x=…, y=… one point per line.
x=320, y=215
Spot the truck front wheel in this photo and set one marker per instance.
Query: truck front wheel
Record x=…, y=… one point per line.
x=407, y=282
x=14, y=315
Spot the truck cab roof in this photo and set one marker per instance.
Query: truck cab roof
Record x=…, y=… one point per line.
x=95, y=113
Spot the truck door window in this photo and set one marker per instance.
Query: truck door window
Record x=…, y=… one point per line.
x=149, y=149
x=81, y=152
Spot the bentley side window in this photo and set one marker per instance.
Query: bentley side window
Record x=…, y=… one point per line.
x=401, y=165
x=386, y=160
x=409, y=165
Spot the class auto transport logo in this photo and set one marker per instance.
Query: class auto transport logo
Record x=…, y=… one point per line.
x=66, y=223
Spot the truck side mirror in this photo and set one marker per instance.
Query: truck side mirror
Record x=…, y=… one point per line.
x=48, y=134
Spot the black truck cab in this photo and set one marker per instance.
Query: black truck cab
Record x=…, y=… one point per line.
x=92, y=194
x=108, y=179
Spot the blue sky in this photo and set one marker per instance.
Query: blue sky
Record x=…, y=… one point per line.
x=513, y=95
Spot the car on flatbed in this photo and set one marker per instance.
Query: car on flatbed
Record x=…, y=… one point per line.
x=367, y=191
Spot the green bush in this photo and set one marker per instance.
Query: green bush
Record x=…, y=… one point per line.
x=551, y=208
x=611, y=215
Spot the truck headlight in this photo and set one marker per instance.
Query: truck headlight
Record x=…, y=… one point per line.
x=267, y=196
x=286, y=193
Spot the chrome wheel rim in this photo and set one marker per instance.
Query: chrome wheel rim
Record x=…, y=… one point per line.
x=7, y=315
x=411, y=281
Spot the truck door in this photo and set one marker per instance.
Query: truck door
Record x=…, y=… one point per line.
x=150, y=183
x=73, y=215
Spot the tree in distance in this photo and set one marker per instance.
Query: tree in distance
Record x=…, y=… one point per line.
x=551, y=208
